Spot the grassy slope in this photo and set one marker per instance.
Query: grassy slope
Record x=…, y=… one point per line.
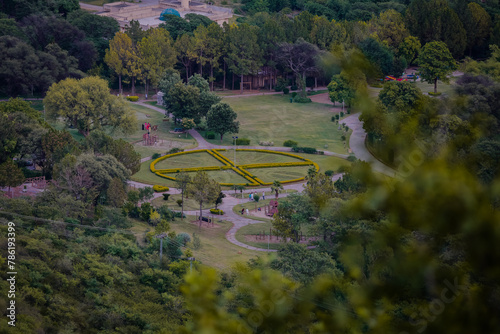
x=274, y=118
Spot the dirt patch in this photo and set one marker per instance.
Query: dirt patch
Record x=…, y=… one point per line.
x=275, y=239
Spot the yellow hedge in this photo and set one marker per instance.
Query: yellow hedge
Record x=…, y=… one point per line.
x=217, y=211
x=160, y=189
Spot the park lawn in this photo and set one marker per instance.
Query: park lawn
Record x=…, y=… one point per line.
x=326, y=162
x=144, y=175
x=215, y=250
x=253, y=229
x=444, y=88
x=268, y=193
x=189, y=203
x=274, y=118
x=199, y=159
x=249, y=157
x=252, y=205
x=280, y=173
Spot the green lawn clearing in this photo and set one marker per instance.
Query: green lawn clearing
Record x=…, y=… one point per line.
x=199, y=159
x=274, y=118
x=280, y=173
x=252, y=157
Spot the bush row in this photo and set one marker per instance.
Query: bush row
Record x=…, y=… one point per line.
x=266, y=143
x=217, y=211
x=242, y=141
x=132, y=98
x=274, y=152
x=160, y=189
x=290, y=143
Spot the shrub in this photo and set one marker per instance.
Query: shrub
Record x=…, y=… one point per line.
x=342, y=138
x=351, y=158
x=294, y=87
x=337, y=117
x=160, y=189
x=166, y=196
x=303, y=100
x=278, y=89
x=266, y=143
x=210, y=135
x=290, y=143
x=321, y=152
x=179, y=202
x=346, y=128
x=217, y=211
x=309, y=150
x=341, y=114
x=256, y=197
x=435, y=94
x=196, y=239
x=133, y=98
x=175, y=150
x=156, y=156
x=183, y=238
x=286, y=90
x=242, y=141
x=333, y=119
x=329, y=172
x=294, y=94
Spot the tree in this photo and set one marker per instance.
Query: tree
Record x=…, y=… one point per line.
x=182, y=180
x=219, y=198
x=175, y=25
x=477, y=25
x=214, y=49
x=390, y=28
x=203, y=190
x=87, y=105
x=169, y=80
x=244, y=53
x=156, y=54
x=436, y=21
x=221, y=119
x=400, y=96
x=409, y=49
x=188, y=124
x=184, y=46
x=135, y=32
x=183, y=102
x=116, y=193
x=293, y=213
x=200, y=36
x=119, y=55
x=301, y=58
x=339, y=90
x=435, y=62
x=10, y=175
x=276, y=187
x=379, y=55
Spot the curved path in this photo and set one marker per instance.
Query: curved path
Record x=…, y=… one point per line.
x=356, y=143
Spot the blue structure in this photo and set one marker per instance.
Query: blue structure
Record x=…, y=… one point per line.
x=170, y=11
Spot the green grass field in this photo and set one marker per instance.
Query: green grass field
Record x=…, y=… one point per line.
x=279, y=173
x=215, y=250
x=274, y=118
x=245, y=157
x=200, y=159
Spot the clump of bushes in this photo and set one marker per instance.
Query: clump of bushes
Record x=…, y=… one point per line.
x=351, y=158
x=175, y=150
x=179, y=202
x=242, y=141
x=183, y=238
x=216, y=211
x=435, y=94
x=156, y=156
x=329, y=172
x=286, y=90
x=294, y=87
x=133, y=98
x=290, y=143
x=266, y=143
x=160, y=189
x=166, y=196
x=309, y=150
x=210, y=135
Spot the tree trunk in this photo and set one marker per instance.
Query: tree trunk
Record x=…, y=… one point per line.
x=182, y=206
x=120, y=84
x=201, y=65
x=224, y=79
x=211, y=77
x=241, y=83
x=133, y=86
x=201, y=203
x=435, y=86
x=187, y=72
x=233, y=82
x=221, y=137
x=315, y=82
x=304, y=94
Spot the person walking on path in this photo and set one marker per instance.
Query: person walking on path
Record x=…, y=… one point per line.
x=263, y=195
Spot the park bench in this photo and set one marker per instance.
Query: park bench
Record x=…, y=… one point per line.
x=205, y=219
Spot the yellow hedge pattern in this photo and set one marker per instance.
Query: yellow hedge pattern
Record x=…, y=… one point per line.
x=239, y=169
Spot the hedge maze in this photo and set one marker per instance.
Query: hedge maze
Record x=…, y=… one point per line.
x=229, y=164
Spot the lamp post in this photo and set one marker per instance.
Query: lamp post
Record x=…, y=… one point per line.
x=234, y=141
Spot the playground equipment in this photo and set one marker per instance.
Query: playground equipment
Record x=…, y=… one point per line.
x=271, y=209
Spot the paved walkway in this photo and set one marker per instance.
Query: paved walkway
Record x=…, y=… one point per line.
x=358, y=147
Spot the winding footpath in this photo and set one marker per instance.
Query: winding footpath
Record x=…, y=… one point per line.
x=356, y=143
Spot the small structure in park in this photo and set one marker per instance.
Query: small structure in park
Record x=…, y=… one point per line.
x=272, y=208
x=149, y=139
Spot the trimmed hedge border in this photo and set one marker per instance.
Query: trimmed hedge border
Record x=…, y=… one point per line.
x=239, y=169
